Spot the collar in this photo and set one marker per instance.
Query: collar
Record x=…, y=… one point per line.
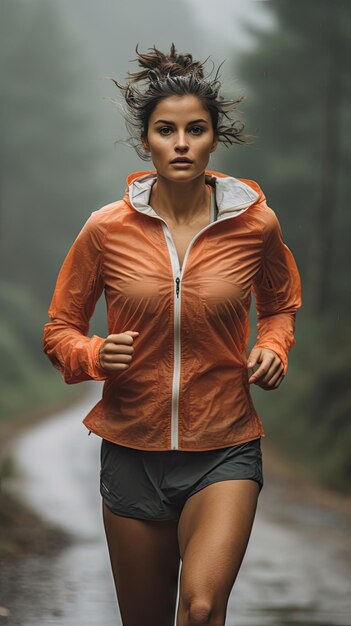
x=232, y=195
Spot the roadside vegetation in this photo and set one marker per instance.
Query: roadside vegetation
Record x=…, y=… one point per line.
x=297, y=86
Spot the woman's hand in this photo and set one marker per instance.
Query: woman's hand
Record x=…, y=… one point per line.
x=269, y=374
x=115, y=353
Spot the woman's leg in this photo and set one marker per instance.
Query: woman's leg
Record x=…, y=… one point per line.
x=145, y=563
x=214, y=530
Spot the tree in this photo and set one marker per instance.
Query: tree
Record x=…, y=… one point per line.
x=298, y=98
x=51, y=180
x=298, y=104
x=51, y=153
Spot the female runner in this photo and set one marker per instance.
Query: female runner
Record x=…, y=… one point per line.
x=177, y=258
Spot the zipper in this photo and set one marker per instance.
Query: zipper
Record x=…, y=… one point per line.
x=177, y=286
x=176, y=364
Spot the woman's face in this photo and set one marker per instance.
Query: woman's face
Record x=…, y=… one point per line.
x=180, y=138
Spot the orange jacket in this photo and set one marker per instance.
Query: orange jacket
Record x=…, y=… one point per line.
x=187, y=385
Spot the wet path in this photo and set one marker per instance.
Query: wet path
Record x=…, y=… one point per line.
x=296, y=570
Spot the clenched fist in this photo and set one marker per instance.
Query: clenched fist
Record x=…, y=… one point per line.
x=269, y=374
x=116, y=352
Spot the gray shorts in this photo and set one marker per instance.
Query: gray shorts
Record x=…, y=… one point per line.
x=154, y=485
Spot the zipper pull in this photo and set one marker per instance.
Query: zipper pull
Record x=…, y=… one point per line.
x=177, y=286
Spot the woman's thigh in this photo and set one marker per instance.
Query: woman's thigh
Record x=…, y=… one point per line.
x=145, y=563
x=213, y=533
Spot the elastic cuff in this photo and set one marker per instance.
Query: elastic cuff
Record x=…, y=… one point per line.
x=97, y=372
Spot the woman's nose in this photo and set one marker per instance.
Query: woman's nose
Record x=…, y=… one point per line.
x=181, y=142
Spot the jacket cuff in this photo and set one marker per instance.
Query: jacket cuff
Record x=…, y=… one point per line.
x=95, y=371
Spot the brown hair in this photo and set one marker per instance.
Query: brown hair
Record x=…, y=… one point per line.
x=174, y=74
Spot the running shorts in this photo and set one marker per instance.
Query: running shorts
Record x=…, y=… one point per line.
x=154, y=485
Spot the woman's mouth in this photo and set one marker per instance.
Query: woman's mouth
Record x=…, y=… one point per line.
x=181, y=162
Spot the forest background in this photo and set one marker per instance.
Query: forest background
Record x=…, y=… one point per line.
x=60, y=163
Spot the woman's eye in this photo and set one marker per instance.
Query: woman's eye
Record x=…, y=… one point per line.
x=165, y=130
x=197, y=130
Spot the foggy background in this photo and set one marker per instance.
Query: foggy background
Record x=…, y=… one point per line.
x=59, y=162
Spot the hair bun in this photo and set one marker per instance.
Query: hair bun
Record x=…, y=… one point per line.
x=158, y=66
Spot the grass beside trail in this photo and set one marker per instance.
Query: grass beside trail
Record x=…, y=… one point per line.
x=22, y=532
x=42, y=393
x=308, y=417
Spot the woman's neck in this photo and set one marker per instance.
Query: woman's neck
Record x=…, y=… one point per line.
x=180, y=203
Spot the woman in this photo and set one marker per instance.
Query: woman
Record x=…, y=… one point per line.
x=177, y=257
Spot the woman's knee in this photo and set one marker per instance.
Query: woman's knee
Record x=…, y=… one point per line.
x=202, y=612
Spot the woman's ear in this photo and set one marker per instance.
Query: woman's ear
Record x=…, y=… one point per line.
x=145, y=143
x=214, y=145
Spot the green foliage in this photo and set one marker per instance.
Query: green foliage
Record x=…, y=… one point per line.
x=298, y=89
x=27, y=381
x=288, y=79
x=309, y=414
x=51, y=150
x=52, y=178
x=21, y=318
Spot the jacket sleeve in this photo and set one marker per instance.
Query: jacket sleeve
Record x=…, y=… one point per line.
x=277, y=289
x=78, y=287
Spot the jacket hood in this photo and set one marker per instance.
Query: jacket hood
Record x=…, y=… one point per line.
x=232, y=195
